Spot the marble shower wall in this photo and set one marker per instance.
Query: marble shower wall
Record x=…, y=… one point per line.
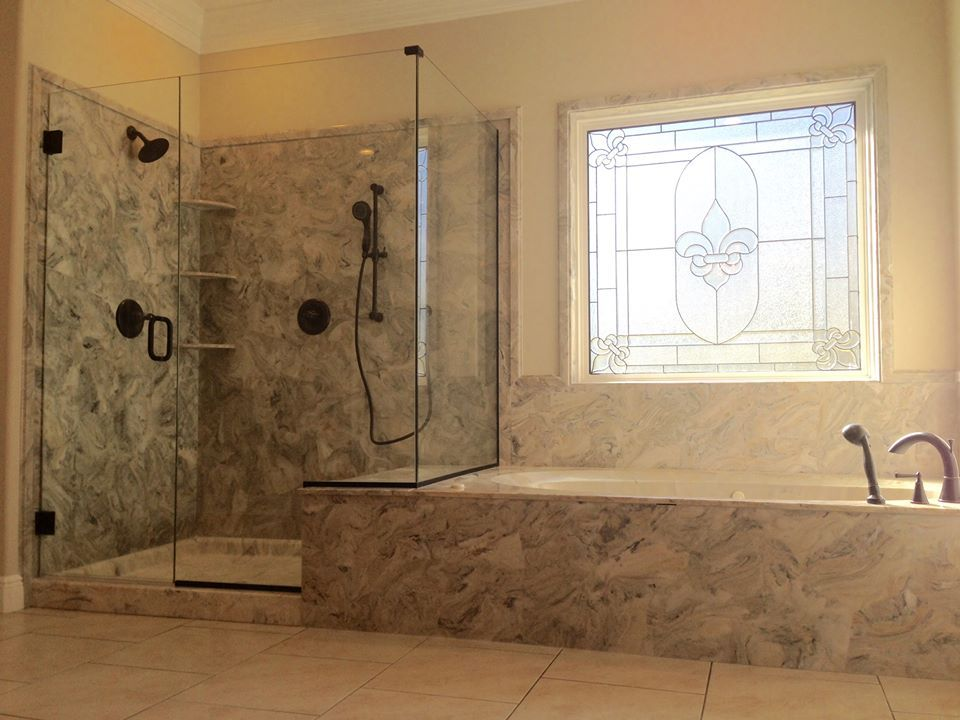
x=284, y=407
x=109, y=412
x=863, y=590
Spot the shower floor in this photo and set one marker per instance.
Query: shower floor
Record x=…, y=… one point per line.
x=249, y=561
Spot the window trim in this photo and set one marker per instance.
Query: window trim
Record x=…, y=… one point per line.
x=578, y=122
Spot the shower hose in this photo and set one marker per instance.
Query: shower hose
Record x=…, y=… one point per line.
x=363, y=376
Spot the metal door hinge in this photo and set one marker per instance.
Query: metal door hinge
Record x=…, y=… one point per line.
x=52, y=142
x=44, y=522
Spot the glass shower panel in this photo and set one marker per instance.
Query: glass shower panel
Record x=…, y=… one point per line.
x=109, y=395
x=274, y=231
x=457, y=396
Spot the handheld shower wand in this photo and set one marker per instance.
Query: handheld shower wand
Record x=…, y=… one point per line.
x=858, y=435
x=362, y=212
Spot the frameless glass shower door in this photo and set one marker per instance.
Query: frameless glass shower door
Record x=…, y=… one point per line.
x=109, y=318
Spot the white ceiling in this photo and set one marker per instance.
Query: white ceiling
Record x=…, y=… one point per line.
x=207, y=26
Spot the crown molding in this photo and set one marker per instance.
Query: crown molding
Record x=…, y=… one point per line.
x=182, y=20
x=209, y=26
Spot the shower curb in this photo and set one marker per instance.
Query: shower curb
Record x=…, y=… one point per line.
x=91, y=595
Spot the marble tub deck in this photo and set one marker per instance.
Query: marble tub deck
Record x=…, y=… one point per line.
x=97, y=666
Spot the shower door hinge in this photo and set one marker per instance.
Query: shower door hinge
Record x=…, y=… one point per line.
x=52, y=142
x=44, y=522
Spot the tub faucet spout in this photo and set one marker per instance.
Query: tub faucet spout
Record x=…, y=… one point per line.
x=950, y=492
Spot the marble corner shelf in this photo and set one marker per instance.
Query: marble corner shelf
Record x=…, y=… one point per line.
x=204, y=275
x=207, y=346
x=208, y=205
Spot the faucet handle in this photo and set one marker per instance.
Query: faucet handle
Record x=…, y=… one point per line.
x=919, y=494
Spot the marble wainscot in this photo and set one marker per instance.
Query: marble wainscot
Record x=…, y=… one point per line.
x=835, y=586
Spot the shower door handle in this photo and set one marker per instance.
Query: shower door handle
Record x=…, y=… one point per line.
x=152, y=321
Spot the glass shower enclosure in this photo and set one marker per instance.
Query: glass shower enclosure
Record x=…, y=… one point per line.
x=257, y=280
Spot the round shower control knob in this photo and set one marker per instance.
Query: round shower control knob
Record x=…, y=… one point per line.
x=313, y=316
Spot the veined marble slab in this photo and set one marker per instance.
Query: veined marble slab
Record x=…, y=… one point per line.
x=842, y=587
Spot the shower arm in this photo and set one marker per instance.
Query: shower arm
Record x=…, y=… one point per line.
x=375, y=252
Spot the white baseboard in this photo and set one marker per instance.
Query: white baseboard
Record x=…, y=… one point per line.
x=11, y=593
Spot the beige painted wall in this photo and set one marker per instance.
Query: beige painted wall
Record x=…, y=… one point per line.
x=953, y=62
x=11, y=197
x=538, y=58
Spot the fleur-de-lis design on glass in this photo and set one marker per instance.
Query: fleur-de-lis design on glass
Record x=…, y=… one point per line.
x=608, y=355
x=605, y=147
x=716, y=251
x=838, y=350
x=835, y=125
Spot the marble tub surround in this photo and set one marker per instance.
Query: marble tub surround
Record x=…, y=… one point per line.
x=781, y=427
x=110, y=667
x=842, y=587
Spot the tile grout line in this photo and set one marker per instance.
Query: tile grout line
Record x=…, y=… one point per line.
x=364, y=685
x=621, y=685
x=706, y=690
x=885, y=698
x=534, y=684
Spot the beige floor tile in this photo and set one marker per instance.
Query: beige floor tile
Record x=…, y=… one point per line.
x=634, y=670
x=97, y=692
x=250, y=627
x=26, y=658
x=491, y=645
x=177, y=710
x=348, y=645
x=569, y=700
x=739, y=692
x=286, y=683
x=7, y=686
x=465, y=672
x=20, y=623
x=195, y=649
x=388, y=705
x=922, y=696
x=106, y=626
x=922, y=716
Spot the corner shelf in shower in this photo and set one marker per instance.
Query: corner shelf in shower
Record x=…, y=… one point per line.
x=207, y=346
x=204, y=275
x=208, y=205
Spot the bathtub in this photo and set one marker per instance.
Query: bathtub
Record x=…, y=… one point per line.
x=784, y=571
x=676, y=485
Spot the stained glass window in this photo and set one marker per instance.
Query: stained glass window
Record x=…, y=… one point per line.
x=725, y=245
